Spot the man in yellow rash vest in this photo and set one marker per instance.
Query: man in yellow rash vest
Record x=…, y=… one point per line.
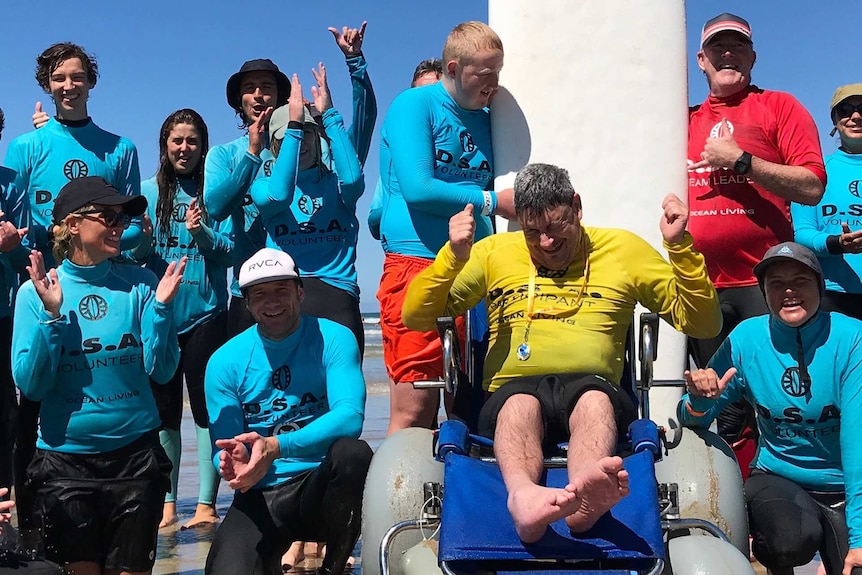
x=560, y=300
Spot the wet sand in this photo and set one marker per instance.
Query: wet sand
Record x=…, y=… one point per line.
x=183, y=552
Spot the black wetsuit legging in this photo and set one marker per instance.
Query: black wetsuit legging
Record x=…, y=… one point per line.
x=790, y=524
x=737, y=304
x=197, y=346
x=323, y=504
x=8, y=404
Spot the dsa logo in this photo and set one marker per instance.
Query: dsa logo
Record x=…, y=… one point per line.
x=285, y=428
x=75, y=169
x=853, y=188
x=309, y=206
x=467, y=142
x=281, y=378
x=179, y=213
x=93, y=307
x=267, y=168
x=793, y=385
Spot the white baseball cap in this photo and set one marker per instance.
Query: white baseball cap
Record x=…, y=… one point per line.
x=267, y=265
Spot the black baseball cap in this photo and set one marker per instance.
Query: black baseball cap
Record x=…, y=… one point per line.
x=96, y=190
x=259, y=65
x=789, y=251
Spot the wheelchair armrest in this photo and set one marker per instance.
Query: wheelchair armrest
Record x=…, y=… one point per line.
x=452, y=362
x=647, y=354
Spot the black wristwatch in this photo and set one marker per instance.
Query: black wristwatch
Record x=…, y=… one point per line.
x=743, y=164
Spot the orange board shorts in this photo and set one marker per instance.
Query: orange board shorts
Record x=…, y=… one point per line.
x=409, y=355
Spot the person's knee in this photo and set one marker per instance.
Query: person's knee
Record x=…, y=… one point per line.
x=351, y=457
x=519, y=405
x=781, y=549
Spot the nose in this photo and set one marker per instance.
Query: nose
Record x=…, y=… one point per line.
x=494, y=81
x=68, y=84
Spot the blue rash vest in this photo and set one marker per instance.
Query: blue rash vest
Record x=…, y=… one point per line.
x=803, y=436
x=203, y=292
x=230, y=170
x=841, y=203
x=16, y=209
x=48, y=158
x=307, y=390
x=435, y=158
x=91, y=367
x=311, y=214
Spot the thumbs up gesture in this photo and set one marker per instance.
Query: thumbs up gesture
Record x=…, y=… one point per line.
x=462, y=226
x=40, y=118
x=720, y=152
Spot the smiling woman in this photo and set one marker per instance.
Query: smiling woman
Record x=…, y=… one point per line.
x=87, y=338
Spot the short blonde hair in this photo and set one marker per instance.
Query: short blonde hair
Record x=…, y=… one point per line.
x=468, y=38
x=62, y=242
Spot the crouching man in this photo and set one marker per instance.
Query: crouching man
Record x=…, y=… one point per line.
x=560, y=300
x=286, y=399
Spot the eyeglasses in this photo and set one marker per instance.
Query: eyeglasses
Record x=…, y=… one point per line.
x=846, y=109
x=109, y=218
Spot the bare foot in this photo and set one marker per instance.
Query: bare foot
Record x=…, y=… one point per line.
x=204, y=515
x=169, y=514
x=599, y=488
x=294, y=556
x=321, y=550
x=534, y=507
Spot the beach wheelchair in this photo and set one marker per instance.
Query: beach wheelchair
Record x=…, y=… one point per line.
x=435, y=502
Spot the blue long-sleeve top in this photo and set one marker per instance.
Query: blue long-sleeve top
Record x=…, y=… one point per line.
x=48, y=158
x=806, y=429
x=841, y=203
x=311, y=214
x=307, y=390
x=230, y=170
x=435, y=158
x=203, y=291
x=364, y=107
x=91, y=367
x=16, y=209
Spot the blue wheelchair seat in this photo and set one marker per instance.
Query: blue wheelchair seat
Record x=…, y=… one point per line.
x=477, y=531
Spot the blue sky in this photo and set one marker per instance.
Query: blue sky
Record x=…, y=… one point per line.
x=157, y=56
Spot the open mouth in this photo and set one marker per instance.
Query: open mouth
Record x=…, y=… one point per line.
x=273, y=314
x=729, y=66
x=792, y=303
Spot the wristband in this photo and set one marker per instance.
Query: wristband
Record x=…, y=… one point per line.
x=486, y=207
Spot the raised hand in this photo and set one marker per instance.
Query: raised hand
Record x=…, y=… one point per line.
x=462, y=227
x=194, y=215
x=322, y=99
x=720, y=152
x=706, y=383
x=674, y=219
x=10, y=236
x=257, y=132
x=349, y=40
x=169, y=285
x=40, y=118
x=47, y=285
x=296, y=104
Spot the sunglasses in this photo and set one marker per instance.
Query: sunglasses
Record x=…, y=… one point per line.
x=846, y=109
x=109, y=218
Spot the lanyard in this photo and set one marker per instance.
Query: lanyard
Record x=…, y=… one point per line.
x=524, y=351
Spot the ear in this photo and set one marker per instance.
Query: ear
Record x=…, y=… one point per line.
x=300, y=293
x=73, y=223
x=701, y=60
x=451, y=68
x=576, y=203
x=753, y=53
